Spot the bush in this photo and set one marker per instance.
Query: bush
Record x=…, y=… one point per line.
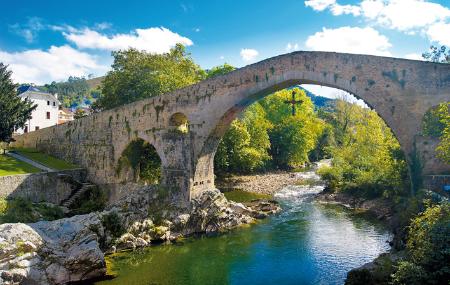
x=21, y=210
x=359, y=277
x=428, y=242
x=409, y=273
x=113, y=223
x=91, y=201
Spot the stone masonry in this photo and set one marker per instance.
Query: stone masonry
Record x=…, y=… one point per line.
x=400, y=90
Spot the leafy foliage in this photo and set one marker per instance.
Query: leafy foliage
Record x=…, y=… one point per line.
x=137, y=75
x=429, y=242
x=73, y=92
x=436, y=123
x=219, y=70
x=143, y=159
x=14, y=112
x=366, y=158
x=79, y=113
x=268, y=136
x=20, y=210
x=409, y=273
x=438, y=54
x=90, y=201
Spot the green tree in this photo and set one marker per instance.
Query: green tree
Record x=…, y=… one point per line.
x=437, y=54
x=14, y=112
x=292, y=138
x=366, y=158
x=79, y=113
x=220, y=70
x=428, y=242
x=137, y=75
x=436, y=123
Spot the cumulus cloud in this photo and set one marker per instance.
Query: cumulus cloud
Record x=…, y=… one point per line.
x=291, y=47
x=439, y=32
x=155, y=40
x=402, y=15
x=319, y=5
x=248, y=54
x=414, y=56
x=351, y=40
x=57, y=63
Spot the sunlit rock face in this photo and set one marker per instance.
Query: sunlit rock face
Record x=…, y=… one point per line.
x=185, y=126
x=71, y=249
x=51, y=252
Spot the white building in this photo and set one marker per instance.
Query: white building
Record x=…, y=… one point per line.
x=46, y=112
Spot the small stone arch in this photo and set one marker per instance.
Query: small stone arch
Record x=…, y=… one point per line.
x=179, y=122
x=139, y=163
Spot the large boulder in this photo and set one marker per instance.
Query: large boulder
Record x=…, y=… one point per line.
x=54, y=252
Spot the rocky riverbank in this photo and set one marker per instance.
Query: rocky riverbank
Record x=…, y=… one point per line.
x=73, y=249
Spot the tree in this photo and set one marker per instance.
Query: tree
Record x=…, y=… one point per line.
x=219, y=70
x=428, y=242
x=436, y=123
x=137, y=75
x=14, y=112
x=292, y=138
x=366, y=158
x=437, y=54
x=79, y=113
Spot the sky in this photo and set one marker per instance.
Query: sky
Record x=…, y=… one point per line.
x=44, y=41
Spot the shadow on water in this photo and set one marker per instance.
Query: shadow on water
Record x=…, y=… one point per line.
x=307, y=243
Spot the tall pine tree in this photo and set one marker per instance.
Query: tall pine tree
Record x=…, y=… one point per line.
x=14, y=112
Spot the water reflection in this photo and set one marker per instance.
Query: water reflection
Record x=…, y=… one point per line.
x=306, y=244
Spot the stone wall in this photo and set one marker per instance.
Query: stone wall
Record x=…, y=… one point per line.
x=52, y=187
x=436, y=182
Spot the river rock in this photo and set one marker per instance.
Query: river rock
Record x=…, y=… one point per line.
x=54, y=252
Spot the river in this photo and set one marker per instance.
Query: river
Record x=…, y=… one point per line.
x=307, y=243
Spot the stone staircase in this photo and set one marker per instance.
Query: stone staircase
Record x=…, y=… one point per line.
x=83, y=187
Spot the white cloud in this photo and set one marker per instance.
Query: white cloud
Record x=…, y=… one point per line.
x=319, y=5
x=29, y=30
x=57, y=63
x=351, y=40
x=402, y=15
x=155, y=40
x=249, y=54
x=337, y=10
x=440, y=33
x=291, y=47
x=414, y=56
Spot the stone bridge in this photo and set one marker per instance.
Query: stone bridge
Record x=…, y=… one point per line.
x=400, y=90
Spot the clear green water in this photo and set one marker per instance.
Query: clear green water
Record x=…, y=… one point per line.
x=307, y=243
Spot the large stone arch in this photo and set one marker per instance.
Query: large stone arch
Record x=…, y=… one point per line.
x=384, y=84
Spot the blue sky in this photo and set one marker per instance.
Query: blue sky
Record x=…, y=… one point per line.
x=44, y=41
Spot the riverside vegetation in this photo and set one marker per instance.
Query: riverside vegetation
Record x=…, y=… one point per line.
x=366, y=163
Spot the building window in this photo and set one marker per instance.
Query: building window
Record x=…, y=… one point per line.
x=48, y=115
x=36, y=128
x=26, y=129
x=54, y=103
x=48, y=103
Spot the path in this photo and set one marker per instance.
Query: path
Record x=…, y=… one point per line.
x=29, y=161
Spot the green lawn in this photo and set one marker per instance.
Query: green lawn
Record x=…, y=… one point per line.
x=11, y=166
x=45, y=159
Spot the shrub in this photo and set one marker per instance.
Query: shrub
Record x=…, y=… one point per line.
x=91, y=201
x=113, y=223
x=428, y=242
x=409, y=273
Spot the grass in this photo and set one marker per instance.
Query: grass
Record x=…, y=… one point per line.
x=45, y=159
x=12, y=166
x=241, y=196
